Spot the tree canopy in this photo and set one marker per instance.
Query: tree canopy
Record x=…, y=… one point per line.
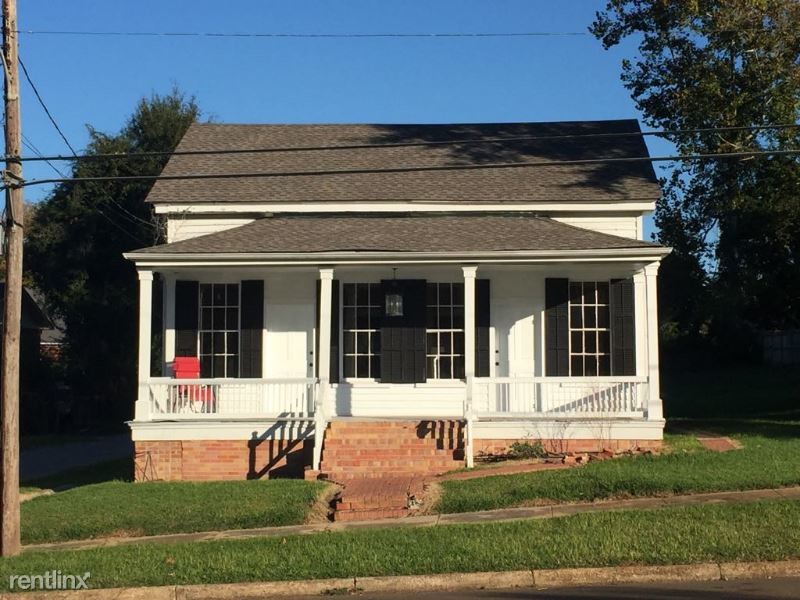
x=734, y=223
x=74, y=245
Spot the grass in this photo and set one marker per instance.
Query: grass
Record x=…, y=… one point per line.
x=770, y=458
x=121, y=508
x=759, y=531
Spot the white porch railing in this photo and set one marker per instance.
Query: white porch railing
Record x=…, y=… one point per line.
x=560, y=396
x=235, y=398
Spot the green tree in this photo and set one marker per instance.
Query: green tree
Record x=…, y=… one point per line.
x=734, y=223
x=74, y=247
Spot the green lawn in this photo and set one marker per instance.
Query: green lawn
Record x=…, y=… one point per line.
x=124, y=508
x=770, y=458
x=759, y=531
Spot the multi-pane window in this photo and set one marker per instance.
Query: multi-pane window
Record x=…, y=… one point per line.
x=589, y=328
x=219, y=330
x=361, y=335
x=445, y=329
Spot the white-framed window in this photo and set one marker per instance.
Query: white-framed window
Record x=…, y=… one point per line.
x=219, y=330
x=445, y=330
x=361, y=334
x=589, y=328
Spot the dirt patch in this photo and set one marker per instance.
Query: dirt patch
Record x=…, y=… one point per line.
x=25, y=496
x=125, y=533
x=430, y=498
x=321, y=510
x=719, y=444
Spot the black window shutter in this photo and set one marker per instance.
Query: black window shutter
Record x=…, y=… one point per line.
x=251, y=328
x=334, y=371
x=623, y=328
x=186, y=317
x=482, y=322
x=556, y=327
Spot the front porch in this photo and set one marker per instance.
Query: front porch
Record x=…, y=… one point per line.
x=545, y=351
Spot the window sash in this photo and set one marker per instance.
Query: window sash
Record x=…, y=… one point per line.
x=219, y=328
x=445, y=328
x=589, y=329
x=360, y=342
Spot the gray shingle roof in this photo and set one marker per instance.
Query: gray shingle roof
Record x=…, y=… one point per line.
x=592, y=183
x=396, y=233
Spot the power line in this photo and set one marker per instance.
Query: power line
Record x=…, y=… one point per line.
x=32, y=147
x=44, y=106
x=345, y=35
x=266, y=34
x=513, y=165
x=450, y=142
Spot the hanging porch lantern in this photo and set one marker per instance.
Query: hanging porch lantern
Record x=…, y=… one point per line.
x=394, y=305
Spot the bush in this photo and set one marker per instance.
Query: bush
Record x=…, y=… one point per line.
x=527, y=450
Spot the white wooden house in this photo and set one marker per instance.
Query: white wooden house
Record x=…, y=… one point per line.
x=397, y=298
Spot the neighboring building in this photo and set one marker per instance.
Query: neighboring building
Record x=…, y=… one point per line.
x=372, y=299
x=34, y=322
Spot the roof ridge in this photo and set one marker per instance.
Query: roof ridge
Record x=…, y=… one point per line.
x=410, y=124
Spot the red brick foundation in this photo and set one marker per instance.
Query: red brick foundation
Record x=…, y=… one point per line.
x=206, y=460
x=482, y=447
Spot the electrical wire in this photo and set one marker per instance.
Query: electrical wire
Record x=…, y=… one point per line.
x=513, y=165
x=378, y=145
x=32, y=147
x=266, y=34
x=44, y=106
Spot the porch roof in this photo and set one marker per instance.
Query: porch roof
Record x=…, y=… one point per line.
x=402, y=234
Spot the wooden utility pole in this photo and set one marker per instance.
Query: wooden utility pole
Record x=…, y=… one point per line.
x=12, y=314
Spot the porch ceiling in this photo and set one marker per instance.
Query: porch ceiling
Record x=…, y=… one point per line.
x=404, y=235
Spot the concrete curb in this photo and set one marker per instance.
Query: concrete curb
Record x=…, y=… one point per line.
x=548, y=511
x=538, y=578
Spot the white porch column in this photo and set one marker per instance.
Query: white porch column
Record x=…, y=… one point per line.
x=145, y=340
x=323, y=361
x=469, y=320
x=655, y=409
x=169, y=321
x=470, y=273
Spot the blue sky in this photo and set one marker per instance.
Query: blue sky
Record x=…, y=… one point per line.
x=97, y=80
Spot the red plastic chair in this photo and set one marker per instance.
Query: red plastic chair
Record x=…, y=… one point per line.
x=188, y=367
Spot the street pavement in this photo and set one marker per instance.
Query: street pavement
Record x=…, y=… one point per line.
x=43, y=461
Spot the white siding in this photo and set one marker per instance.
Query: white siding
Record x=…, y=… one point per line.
x=181, y=227
x=624, y=226
x=400, y=400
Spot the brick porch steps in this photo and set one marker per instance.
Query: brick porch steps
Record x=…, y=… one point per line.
x=382, y=465
x=376, y=498
x=391, y=448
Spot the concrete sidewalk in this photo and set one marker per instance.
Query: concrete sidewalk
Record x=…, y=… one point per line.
x=405, y=585
x=490, y=516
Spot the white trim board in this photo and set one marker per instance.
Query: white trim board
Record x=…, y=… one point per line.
x=633, y=205
x=644, y=255
x=575, y=429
